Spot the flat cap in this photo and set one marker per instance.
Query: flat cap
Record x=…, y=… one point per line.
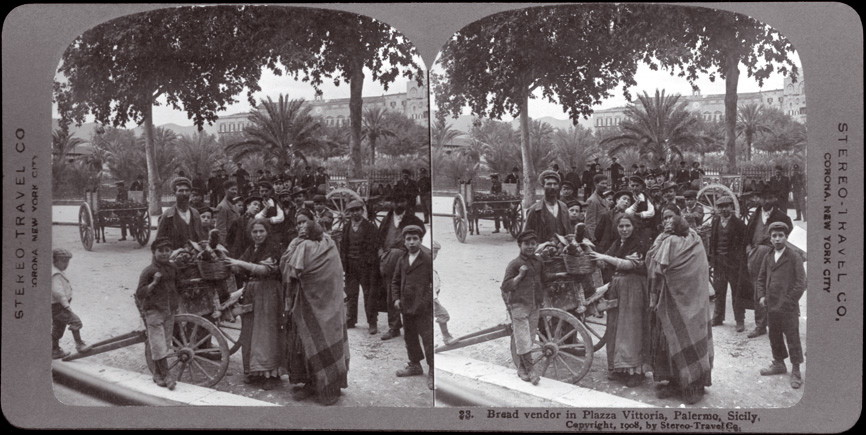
x=319, y=199
x=526, y=235
x=637, y=179
x=353, y=204
x=725, y=200
x=413, y=229
x=669, y=185
x=250, y=199
x=547, y=173
x=569, y=184
x=779, y=226
x=160, y=242
x=690, y=194
x=621, y=193
x=60, y=253
x=179, y=181
x=435, y=245
x=265, y=183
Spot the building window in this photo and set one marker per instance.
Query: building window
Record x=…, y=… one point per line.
x=717, y=116
x=769, y=101
x=803, y=110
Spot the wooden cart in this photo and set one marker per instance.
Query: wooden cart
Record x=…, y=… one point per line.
x=203, y=341
x=96, y=214
x=469, y=208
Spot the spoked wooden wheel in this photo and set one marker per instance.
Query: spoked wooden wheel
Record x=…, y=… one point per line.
x=232, y=333
x=86, y=229
x=191, y=360
x=596, y=327
x=516, y=221
x=711, y=194
x=562, y=349
x=460, y=222
x=336, y=201
x=142, y=227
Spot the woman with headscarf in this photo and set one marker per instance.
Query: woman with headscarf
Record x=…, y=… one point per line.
x=265, y=356
x=627, y=325
x=318, y=341
x=681, y=331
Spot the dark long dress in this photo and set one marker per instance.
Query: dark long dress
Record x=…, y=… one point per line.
x=627, y=335
x=267, y=338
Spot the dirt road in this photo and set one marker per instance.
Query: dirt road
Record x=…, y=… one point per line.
x=104, y=281
x=471, y=274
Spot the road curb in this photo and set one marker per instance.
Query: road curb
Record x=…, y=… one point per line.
x=508, y=387
x=184, y=394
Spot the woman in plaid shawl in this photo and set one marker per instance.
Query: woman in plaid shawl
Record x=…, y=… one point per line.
x=682, y=341
x=318, y=342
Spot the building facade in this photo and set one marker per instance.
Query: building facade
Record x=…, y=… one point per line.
x=791, y=100
x=413, y=103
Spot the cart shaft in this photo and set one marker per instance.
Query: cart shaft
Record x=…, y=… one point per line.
x=488, y=334
x=118, y=342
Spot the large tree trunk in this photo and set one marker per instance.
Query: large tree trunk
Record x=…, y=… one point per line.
x=153, y=197
x=528, y=170
x=356, y=85
x=732, y=77
x=372, y=151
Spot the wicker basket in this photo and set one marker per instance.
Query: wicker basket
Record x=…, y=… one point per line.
x=555, y=265
x=213, y=270
x=578, y=264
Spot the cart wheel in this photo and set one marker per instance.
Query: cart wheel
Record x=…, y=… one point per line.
x=460, y=223
x=710, y=194
x=560, y=350
x=597, y=327
x=187, y=360
x=142, y=228
x=232, y=333
x=86, y=229
x=337, y=200
x=516, y=221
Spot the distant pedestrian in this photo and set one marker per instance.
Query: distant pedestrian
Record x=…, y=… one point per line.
x=61, y=309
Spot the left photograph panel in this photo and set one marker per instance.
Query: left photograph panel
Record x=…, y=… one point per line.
x=241, y=212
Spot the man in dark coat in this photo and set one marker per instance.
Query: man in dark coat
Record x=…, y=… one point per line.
x=596, y=206
x=307, y=181
x=226, y=211
x=242, y=177
x=514, y=178
x=781, y=283
x=412, y=293
x=180, y=223
x=407, y=188
x=587, y=181
x=573, y=177
x=549, y=215
x=358, y=253
x=758, y=238
x=320, y=178
x=391, y=248
x=730, y=264
x=425, y=192
x=615, y=174
x=682, y=175
x=798, y=190
x=780, y=185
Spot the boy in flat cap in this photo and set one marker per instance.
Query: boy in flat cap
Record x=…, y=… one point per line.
x=693, y=212
x=523, y=293
x=781, y=284
x=61, y=310
x=157, y=301
x=412, y=293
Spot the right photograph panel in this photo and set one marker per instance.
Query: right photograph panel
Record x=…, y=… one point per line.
x=619, y=210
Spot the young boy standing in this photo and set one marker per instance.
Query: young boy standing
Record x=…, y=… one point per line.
x=439, y=312
x=523, y=292
x=780, y=285
x=61, y=312
x=156, y=299
x=412, y=293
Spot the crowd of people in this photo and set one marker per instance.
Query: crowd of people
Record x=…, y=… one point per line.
x=302, y=279
x=652, y=253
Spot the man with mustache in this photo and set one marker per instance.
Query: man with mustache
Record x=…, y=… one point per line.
x=548, y=216
x=180, y=223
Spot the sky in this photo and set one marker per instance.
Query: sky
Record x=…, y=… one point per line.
x=648, y=81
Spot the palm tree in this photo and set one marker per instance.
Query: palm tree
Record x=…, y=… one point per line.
x=443, y=133
x=199, y=153
x=573, y=147
x=283, y=130
x=540, y=146
x=61, y=144
x=751, y=121
x=374, y=125
x=658, y=127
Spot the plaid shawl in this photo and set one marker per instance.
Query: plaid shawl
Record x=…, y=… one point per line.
x=315, y=274
x=677, y=270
